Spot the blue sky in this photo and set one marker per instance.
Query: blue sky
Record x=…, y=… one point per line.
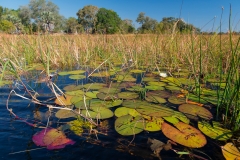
x=204, y=14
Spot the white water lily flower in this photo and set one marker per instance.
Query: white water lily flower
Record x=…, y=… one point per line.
x=163, y=74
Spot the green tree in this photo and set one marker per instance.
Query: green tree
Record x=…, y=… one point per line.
x=147, y=24
x=6, y=26
x=72, y=26
x=87, y=18
x=108, y=21
x=126, y=26
x=1, y=12
x=43, y=13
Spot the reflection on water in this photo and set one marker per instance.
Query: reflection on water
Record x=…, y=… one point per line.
x=16, y=136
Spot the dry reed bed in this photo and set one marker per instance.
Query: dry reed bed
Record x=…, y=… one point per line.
x=171, y=51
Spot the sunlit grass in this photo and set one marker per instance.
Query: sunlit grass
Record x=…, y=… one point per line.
x=200, y=54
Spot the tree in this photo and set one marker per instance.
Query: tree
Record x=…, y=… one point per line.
x=6, y=26
x=47, y=20
x=44, y=14
x=16, y=22
x=148, y=24
x=108, y=21
x=126, y=26
x=87, y=18
x=72, y=26
x=1, y=12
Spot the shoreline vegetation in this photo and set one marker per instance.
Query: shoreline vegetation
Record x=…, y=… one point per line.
x=206, y=57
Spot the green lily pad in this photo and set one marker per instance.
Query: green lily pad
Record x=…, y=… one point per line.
x=62, y=113
x=173, y=88
x=136, y=88
x=148, y=79
x=134, y=103
x=72, y=87
x=94, y=86
x=75, y=93
x=155, y=99
x=125, y=78
x=162, y=94
x=156, y=84
x=195, y=110
x=78, y=77
x=110, y=90
x=106, y=97
x=92, y=94
x=128, y=95
x=155, y=111
x=137, y=71
x=122, y=111
x=101, y=74
x=215, y=131
x=97, y=102
x=177, y=100
x=154, y=87
x=77, y=72
x=98, y=112
x=128, y=125
x=155, y=124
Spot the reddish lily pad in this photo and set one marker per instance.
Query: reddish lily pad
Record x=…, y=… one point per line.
x=51, y=138
x=184, y=134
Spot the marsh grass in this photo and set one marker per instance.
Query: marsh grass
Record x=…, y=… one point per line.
x=213, y=56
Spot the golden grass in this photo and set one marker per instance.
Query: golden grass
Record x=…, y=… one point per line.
x=171, y=51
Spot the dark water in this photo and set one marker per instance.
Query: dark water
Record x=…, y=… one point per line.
x=16, y=136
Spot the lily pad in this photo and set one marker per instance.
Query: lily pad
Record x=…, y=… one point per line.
x=62, y=113
x=230, y=152
x=94, y=86
x=173, y=88
x=155, y=111
x=155, y=99
x=92, y=94
x=97, y=102
x=155, y=124
x=77, y=77
x=72, y=87
x=51, y=138
x=215, y=131
x=122, y=111
x=156, y=84
x=162, y=94
x=134, y=103
x=125, y=78
x=195, y=110
x=129, y=125
x=148, y=79
x=77, y=72
x=154, y=88
x=75, y=93
x=64, y=100
x=106, y=97
x=137, y=71
x=177, y=100
x=184, y=134
x=110, y=90
x=101, y=74
x=128, y=95
x=98, y=112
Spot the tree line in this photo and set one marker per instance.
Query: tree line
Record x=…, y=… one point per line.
x=43, y=16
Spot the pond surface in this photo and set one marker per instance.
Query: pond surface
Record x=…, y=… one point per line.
x=16, y=136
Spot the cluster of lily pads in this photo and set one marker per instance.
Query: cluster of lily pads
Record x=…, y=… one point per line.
x=121, y=99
